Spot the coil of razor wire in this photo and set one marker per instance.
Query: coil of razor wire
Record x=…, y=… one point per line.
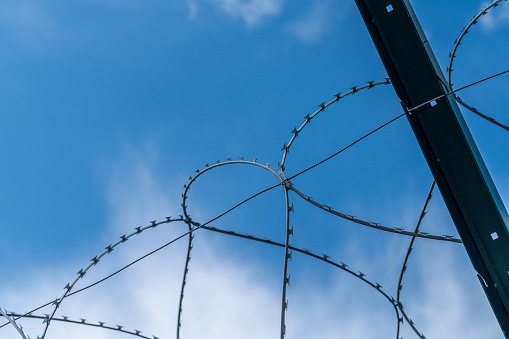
x=485, y=10
x=189, y=219
x=372, y=224
x=322, y=107
x=94, y=261
x=407, y=255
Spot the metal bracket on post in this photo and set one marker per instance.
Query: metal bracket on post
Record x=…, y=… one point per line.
x=452, y=155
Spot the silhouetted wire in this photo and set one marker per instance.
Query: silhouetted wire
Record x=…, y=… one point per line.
x=198, y=226
x=324, y=258
x=186, y=269
x=13, y=323
x=83, y=322
x=404, y=267
x=452, y=55
x=187, y=217
x=346, y=147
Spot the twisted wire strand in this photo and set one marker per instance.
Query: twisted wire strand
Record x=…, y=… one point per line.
x=322, y=107
x=485, y=10
x=409, y=250
x=9, y=318
x=372, y=224
x=100, y=324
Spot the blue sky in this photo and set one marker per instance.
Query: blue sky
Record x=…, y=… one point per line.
x=109, y=106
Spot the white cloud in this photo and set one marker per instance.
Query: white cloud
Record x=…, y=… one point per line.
x=496, y=17
x=193, y=10
x=252, y=12
x=317, y=23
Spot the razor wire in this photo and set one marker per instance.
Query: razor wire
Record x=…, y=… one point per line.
x=452, y=55
x=192, y=179
x=407, y=255
x=81, y=273
x=81, y=321
x=9, y=318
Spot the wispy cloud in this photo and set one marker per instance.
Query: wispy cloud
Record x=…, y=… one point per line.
x=29, y=21
x=252, y=12
x=317, y=22
x=193, y=10
x=496, y=17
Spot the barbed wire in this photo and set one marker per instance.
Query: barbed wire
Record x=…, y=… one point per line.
x=81, y=321
x=323, y=106
x=187, y=187
x=372, y=224
x=407, y=255
x=81, y=273
x=452, y=55
x=13, y=323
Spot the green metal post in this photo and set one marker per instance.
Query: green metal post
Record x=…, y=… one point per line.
x=461, y=175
